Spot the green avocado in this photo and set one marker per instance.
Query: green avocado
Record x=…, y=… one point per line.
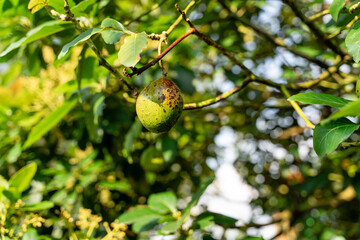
x=159, y=105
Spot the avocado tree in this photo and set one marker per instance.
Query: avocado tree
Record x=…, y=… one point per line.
x=115, y=115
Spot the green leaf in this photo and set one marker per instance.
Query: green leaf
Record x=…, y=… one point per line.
x=131, y=137
x=14, y=153
x=82, y=37
x=82, y=6
x=144, y=225
x=328, y=136
x=219, y=219
x=129, y=54
x=49, y=122
x=320, y=98
x=139, y=214
x=112, y=36
x=22, y=178
x=120, y=186
x=163, y=202
x=38, y=206
x=98, y=107
x=43, y=30
x=253, y=238
x=352, y=42
x=168, y=148
x=36, y=5
x=195, y=198
x=335, y=8
x=31, y=234
x=351, y=109
x=170, y=227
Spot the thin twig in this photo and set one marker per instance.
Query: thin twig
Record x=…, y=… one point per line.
x=297, y=108
x=221, y=97
x=101, y=59
x=319, y=34
x=348, y=26
x=318, y=15
x=178, y=20
x=154, y=7
x=277, y=41
x=138, y=71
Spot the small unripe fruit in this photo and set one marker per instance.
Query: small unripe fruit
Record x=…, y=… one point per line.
x=159, y=105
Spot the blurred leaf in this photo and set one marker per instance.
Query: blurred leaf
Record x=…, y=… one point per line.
x=22, y=178
x=335, y=8
x=49, y=122
x=120, y=186
x=139, y=214
x=131, y=137
x=144, y=225
x=328, y=136
x=169, y=227
x=31, y=234
x=98, y=107
x=152, y=160
x=219, y=219
x=112, y=36
x=13, y=73
x=41, y=31
x=36, y=5
x=351, y=109
x=183, y=79
x=168, y=148
x=352, y=42
x=172, y=227
x=38, y=206
x=14, y=153
x=129, y=54
x=81, y=38
x=320, y=98
x=82, y=6
x=163, y=202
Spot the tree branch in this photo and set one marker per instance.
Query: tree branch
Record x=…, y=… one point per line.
x=277, y=41
x=211, y=101
x=178, y=20
x=138, y=71
x=320, y=35
x=102, y=61
x=297, y=108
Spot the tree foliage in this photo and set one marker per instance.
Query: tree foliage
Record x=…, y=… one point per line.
x=280, y=78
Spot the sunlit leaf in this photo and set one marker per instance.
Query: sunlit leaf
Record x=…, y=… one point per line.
x=352, y=42
x=41, y=31
x=320, y=98
x=351, y=109
x=82, y=6
x=129, y=54
x=139, y=214
x=36, y=5
x=112, y=36
x=22, y=178
x=81, y=38
x=38, y=206
x=328, y=136
x=335, y=8
x=163, y=202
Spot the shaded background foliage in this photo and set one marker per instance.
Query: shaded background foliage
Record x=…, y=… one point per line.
x=99, y=157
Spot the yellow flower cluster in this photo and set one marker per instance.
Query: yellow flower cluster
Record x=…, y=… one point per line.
x=117, y=232
x=35, y=220
x=87, y=220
